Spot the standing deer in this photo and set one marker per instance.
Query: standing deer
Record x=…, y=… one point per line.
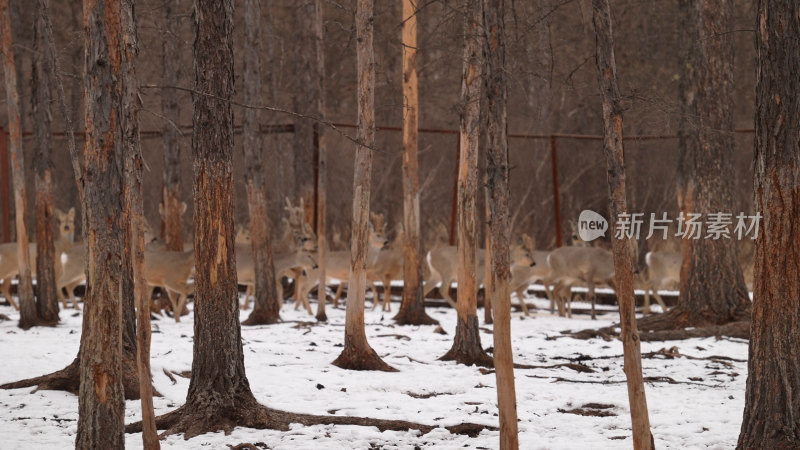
x=64, y=242
x=443, y=265
x=337, y=264
x=388, y=266
x=523, y=276
x=663, y=271
x=572, y=265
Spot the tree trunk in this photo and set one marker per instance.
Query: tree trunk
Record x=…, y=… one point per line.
x=622, y=248
x=28, y=316
x=322, y=160
x=267, y=305
x=134, y=209
x=305, y=102
x=712, y=286
x=101, y=403
x=773, y=371
x=412, y=310
x=467, y=342
x=497, y=177
x=487, y=263
x=68, y=379
x=357, y=354
x=46, y=298
x=218, y=399
x=171, y=180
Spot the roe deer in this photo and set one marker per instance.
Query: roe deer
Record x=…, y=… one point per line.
x=523, y=276
x=443, y=265
x=572, y=265
x=663, y=271
x=9, y=264
x=337, y=265
x=388, y=266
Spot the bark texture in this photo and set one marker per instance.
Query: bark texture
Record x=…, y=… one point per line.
x=171, y=178
x=712, y=286
x=28, y=316
x=467, y=341
x=322, y=160
x=772, y=405
x=267, y=305
x=101, y=404
x=623, y=249
x=497, y=177
x=412, y=310
x=305, y=102
x=46, y=298
x=357, y=354
x=134, y=208
x=219, y=395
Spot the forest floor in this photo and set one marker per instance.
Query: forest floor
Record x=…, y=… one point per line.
x=695, y=393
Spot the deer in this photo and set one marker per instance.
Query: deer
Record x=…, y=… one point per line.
x=577, y=264
x=337, y=264
x=663, y=271
x=523, y=276
x=9, y=264
x=302, y=259
x=443, y=265
x=388, y=266
x=171, y=271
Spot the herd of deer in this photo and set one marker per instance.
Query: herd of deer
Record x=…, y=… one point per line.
x=295, y=258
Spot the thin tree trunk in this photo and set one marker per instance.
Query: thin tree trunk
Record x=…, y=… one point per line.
x=267, y=304
x=487, y=263
x=46, y=298
x=28, y=316
x=305, y=102
x=622, y=248
x=705, y=171
x=134, y=207
x=101, y=400
x=772, y=406
x=467, y=347
x=171, y=178
x=322, y=160
x=357, y=354
x=49, y=52
x=412, y=310
x=497, y=177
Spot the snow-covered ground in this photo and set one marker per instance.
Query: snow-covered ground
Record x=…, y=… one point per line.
x=289, y=367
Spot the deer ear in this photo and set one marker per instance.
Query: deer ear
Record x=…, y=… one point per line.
x=71, y=213
x=59, y=213
x=183, y=207
x=161, y=209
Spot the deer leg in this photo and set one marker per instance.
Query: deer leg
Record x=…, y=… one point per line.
x=445, y=288
x=6, y=290
x=387, y=295
x=646, y=308
x=521, y=297
x=176, y=313
x=71, y=289
x=659, y=300
x=593, y=295
x=569, y=303
x=62, y=297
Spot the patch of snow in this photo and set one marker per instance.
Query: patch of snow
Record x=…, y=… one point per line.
x=286, y=363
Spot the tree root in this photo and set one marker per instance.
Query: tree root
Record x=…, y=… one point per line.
x=356, y=358
x=68, y=379
x=677, y=324
x=195, y=421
